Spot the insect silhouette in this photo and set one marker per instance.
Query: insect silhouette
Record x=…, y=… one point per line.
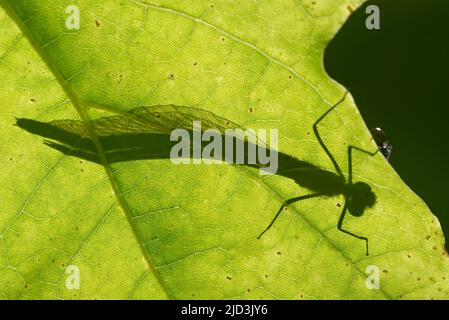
x=142, y=133
x=357, y=196
x=382, y=142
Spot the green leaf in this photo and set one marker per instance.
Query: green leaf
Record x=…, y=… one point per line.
x=139, y=226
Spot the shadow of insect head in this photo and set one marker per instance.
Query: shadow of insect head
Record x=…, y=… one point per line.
x=143, y=133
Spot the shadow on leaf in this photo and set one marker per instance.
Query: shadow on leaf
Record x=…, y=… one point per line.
x=144, y=133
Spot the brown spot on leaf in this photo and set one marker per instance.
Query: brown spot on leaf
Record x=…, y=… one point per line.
x=445, y=253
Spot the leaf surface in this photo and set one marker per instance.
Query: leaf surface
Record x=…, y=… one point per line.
x=146, y=228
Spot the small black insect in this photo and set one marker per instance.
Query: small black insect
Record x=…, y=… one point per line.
x=382, y=142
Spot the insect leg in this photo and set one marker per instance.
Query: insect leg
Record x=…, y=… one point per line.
x=285, y=204
x=350, y=148
x=321, y=142
x=340, y=227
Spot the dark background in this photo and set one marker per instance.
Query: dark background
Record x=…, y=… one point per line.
x=399, y=77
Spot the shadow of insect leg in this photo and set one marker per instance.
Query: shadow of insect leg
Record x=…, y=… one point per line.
x=340, y=227
x=285, y=204
x=350, y=148
x=320, y=140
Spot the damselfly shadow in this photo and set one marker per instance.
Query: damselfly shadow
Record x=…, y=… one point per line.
x=143, y=133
